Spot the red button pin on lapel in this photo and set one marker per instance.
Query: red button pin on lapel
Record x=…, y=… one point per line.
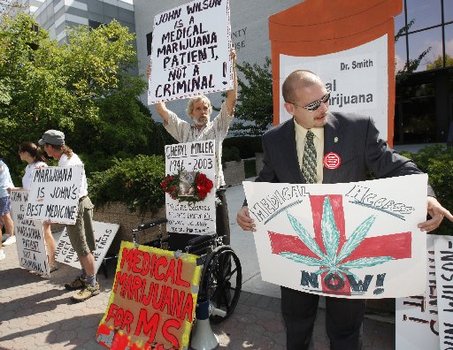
x=332, y=160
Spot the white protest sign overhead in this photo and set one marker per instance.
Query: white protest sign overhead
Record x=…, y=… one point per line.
x=54, y=194
x=352, y=240
x=190, y=51
x=189, y=187
x=103, y=234
x=31, y=248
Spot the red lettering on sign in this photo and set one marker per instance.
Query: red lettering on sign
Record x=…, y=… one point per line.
x=147, y=326
x=166, y=331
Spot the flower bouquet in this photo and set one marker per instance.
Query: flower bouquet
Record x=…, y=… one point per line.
x=187, y=186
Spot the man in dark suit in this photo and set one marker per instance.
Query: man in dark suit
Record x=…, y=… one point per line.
x=317, y=146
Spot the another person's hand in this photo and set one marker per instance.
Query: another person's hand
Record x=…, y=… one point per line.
x=437, y=213
x=244, y=220
x=233, y=55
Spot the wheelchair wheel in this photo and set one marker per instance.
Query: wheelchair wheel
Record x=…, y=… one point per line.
x=222, y=281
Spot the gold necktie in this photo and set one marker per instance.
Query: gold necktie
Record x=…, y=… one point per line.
x=309, y=159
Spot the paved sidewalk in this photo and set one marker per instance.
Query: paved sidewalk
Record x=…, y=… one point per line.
x=36, y=313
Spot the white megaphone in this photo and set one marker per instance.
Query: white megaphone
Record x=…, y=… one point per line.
x=203, y=338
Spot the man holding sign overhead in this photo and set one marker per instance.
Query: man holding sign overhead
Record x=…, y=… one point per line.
x=191, y=55
x=81, y=234
x=199, y=110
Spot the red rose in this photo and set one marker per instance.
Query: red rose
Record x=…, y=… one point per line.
x=203, y=184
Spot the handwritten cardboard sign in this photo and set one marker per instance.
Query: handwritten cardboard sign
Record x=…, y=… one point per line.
x=425, y=321
x=104, y=233
x=352, y=240
x=186, y=216
x=31, y=248
x=416, y=317
x=54, y=194
x=444, y=277
x=153, y=300
x=190, y=51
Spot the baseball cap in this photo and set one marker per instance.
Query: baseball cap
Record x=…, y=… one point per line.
x=52, y=137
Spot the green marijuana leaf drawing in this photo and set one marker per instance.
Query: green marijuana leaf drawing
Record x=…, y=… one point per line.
x=332, y=261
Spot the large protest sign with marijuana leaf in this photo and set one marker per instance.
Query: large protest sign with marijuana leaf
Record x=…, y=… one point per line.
x=353, y=240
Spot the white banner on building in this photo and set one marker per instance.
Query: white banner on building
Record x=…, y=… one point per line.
x=104, y=233
x=190, y=187
x=425, y=321
x=356, y=78
x=54, y=194
x=31, y=248
x=352, y=240
x=190, y=51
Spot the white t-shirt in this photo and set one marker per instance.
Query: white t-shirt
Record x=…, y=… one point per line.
x=75, y=160
x=28, y=176
x=216, y=130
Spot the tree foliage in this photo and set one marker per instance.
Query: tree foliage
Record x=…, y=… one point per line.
x=254, y=111
x=84, y=87
x=134, y=181
x=439, y=62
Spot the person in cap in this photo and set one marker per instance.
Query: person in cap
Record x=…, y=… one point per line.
x=81, y=234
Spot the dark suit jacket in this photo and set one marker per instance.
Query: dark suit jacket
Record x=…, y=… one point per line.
x=354, y=138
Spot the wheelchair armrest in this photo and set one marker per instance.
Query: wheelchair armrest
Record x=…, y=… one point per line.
x=150, y=224
x=199, y=243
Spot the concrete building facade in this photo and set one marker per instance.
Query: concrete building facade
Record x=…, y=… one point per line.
x=57, y=15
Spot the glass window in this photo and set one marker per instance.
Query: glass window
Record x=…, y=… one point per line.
x=415, y=116
x=448, y=10
x=425, y=13
x=449, y=44
x=400, y=54
x=419, y=42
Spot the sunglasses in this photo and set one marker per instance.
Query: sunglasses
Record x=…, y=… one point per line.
x=313, y=106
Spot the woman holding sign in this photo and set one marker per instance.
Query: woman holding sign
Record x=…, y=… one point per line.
x=81, y=234
x=30, y=153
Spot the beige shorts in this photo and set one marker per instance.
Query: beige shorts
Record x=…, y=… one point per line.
x=81, y=234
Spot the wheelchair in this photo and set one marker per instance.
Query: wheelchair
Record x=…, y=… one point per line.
x=221, y=278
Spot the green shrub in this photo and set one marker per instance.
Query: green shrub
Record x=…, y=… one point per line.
x=437, y=162
x=134, y=181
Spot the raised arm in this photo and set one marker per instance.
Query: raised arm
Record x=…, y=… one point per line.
x=161, y=107
x=233, y=93
x=163, y=111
